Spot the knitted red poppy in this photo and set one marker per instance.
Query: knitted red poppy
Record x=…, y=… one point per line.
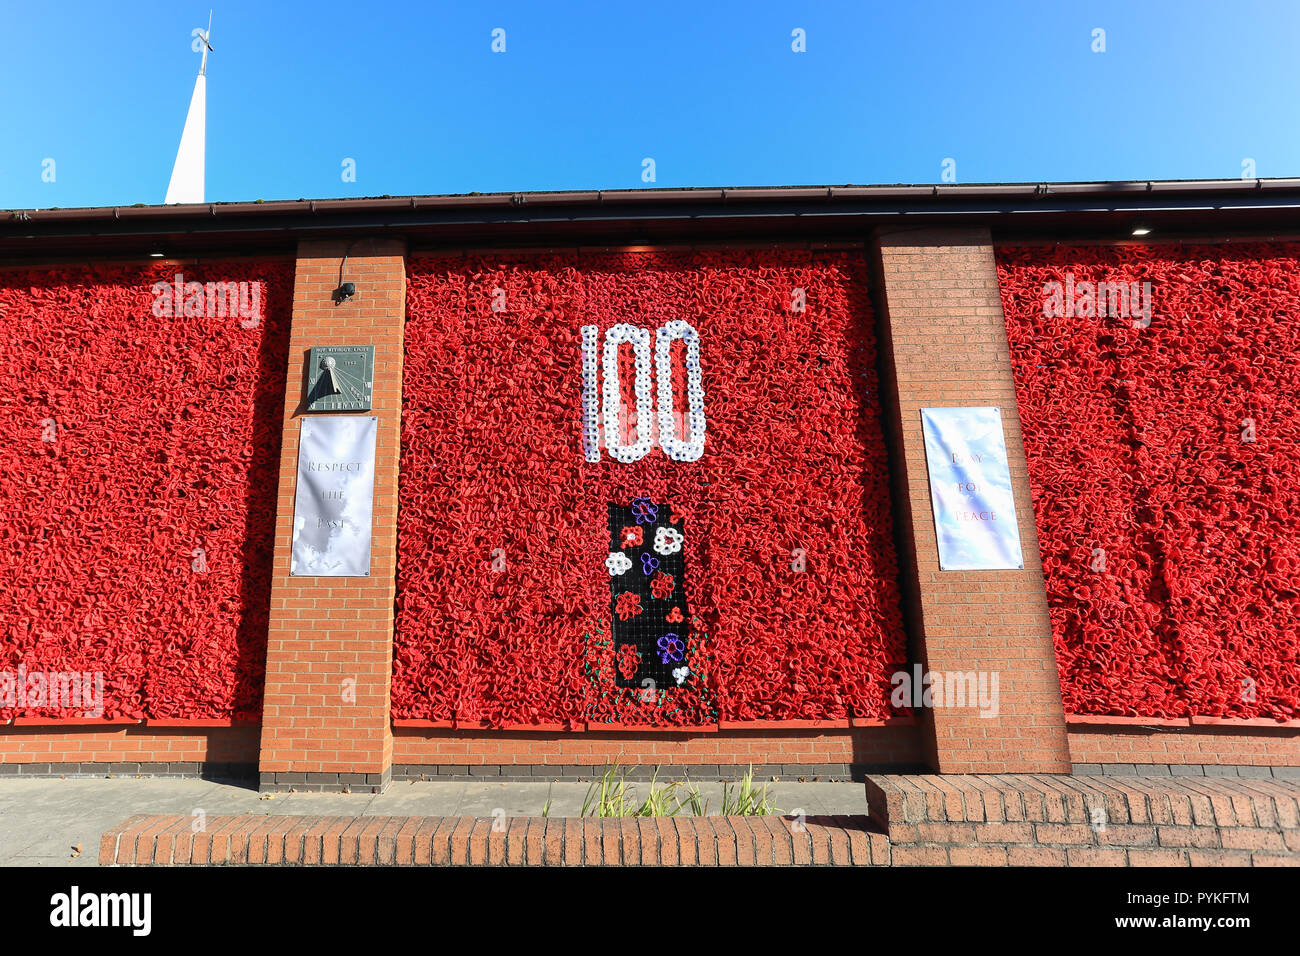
x=629, y=605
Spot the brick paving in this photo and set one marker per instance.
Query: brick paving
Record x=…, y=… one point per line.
x=913, y=820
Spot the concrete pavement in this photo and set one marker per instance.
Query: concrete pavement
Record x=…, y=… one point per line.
x=43, y=819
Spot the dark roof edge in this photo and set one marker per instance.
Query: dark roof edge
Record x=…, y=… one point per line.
x=1029, y=196
x=1012, y=211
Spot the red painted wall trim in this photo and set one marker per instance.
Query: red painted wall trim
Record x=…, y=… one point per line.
x=1182, y=723
x=616, y=728
x=483, y=725
x=92, y=723
x=722, y=725
x=1090, y=720
x=75, y=721
x=1244, y=722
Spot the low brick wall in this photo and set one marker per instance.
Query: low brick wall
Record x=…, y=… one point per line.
x=48, y=749
x=1060, y=820
x=1198, y=741
x=519, y=841
x=914, y=820
x=829, y=751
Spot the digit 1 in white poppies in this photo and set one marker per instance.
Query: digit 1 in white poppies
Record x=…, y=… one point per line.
x=640, y=341
x=590, y=400
x=691, y=446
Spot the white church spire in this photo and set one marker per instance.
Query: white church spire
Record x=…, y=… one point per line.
x=187, y=175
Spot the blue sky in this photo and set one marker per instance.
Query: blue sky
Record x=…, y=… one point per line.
x=584, y=92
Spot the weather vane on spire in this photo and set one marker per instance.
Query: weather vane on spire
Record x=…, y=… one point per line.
x=206, y=37
x=187, y=175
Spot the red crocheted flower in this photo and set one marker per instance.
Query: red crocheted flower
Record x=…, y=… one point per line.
x=628, y=605
x=632, y=537
x=629, y=661
x=661, y=585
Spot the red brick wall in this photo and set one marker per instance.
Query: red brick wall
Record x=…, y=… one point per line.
x=325, y=631
x=1258, y=746
x=26, y=745
x=944, y=344
x=896, y=746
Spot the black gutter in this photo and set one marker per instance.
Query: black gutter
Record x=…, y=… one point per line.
x=1080, y=210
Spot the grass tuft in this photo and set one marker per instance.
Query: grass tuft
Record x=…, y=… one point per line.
x=613, y=796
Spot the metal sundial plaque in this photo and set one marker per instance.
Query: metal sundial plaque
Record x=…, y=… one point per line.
x=340, y=378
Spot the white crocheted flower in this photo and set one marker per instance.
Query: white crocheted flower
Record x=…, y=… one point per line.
x=680, y=674
x=668, y=540
x=617, y=562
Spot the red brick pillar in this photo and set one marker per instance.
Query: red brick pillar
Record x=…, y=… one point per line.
x=944, y=344
x=325, y=721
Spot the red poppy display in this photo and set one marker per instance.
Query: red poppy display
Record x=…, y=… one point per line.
x=137, y=478
x=629, y=661
x=494, y=456
x=1164, y=462
x=628, y=605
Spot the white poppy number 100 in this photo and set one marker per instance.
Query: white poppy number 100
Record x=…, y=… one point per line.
x=679, y=448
